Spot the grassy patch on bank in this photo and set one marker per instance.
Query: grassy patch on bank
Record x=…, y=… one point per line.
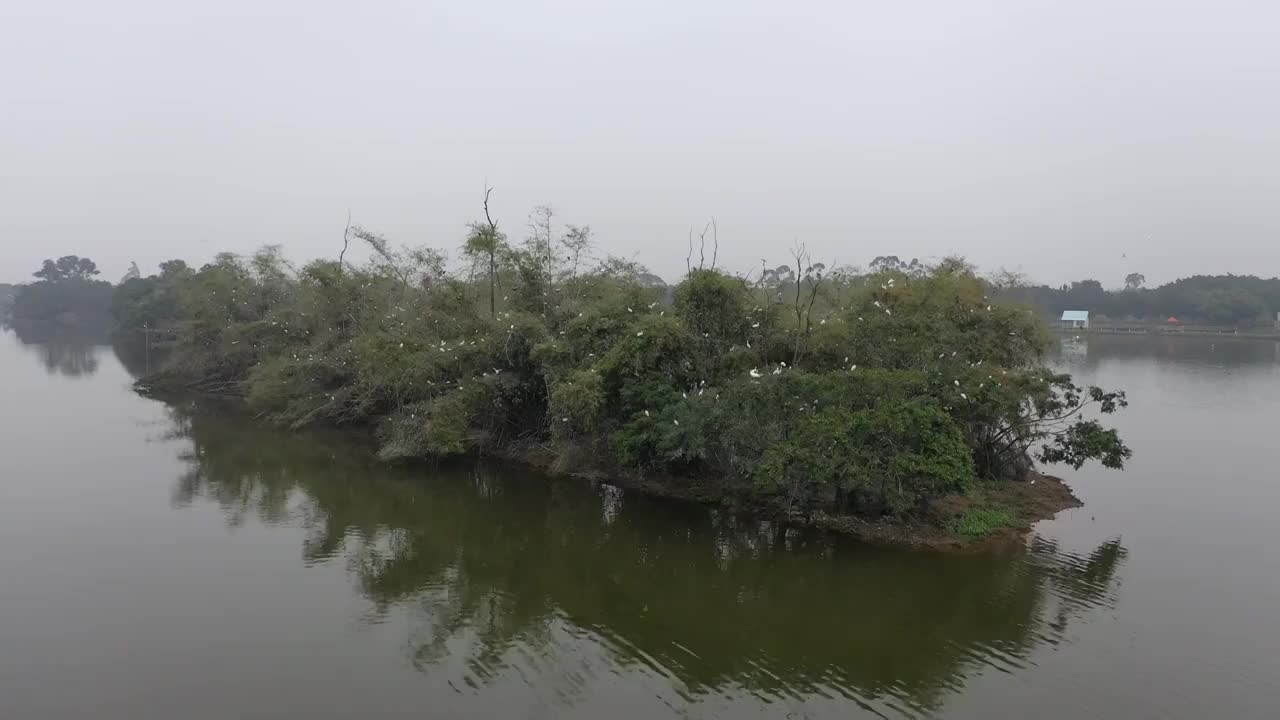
x=981, y=521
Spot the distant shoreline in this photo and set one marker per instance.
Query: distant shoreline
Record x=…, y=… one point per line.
x=1165, y=331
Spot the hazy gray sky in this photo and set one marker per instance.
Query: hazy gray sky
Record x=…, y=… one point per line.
x=1052, y=137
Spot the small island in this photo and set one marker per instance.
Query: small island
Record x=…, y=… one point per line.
x=905, y=404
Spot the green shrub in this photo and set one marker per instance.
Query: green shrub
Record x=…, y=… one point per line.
x=879, y=460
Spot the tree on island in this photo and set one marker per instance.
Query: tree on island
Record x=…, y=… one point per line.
x=66, y=293
x=67, y=267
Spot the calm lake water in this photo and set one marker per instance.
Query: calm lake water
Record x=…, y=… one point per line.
x=176, y=561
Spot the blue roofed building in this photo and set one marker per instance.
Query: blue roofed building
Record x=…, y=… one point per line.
x=1075, y=319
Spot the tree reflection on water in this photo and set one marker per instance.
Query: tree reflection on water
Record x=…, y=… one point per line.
x=62, y=351
x=502, y=570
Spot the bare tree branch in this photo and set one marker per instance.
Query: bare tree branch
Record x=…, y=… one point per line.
x=715, y=235
x=493, y=253
x=702, y=246
x=764, y=275
x=798, y=254
x=346, y=240
x=688, y=259
x=804, y=305
x=380, y=248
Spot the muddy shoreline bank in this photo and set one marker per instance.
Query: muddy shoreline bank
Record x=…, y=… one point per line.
x=1039, y=497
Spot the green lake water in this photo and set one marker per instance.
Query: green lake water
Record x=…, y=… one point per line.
x=177, y=560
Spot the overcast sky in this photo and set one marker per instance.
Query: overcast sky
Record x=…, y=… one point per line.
x=1065, y=139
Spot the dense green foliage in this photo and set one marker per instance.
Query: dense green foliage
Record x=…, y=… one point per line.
x=1242, y=300
x=148, y=302
x=66, y=294
x=807, y=389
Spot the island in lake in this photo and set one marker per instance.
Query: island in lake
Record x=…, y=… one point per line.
x=908, y=404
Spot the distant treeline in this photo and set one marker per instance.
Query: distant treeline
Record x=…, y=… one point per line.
x=68, y=292
x=1239, y=300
